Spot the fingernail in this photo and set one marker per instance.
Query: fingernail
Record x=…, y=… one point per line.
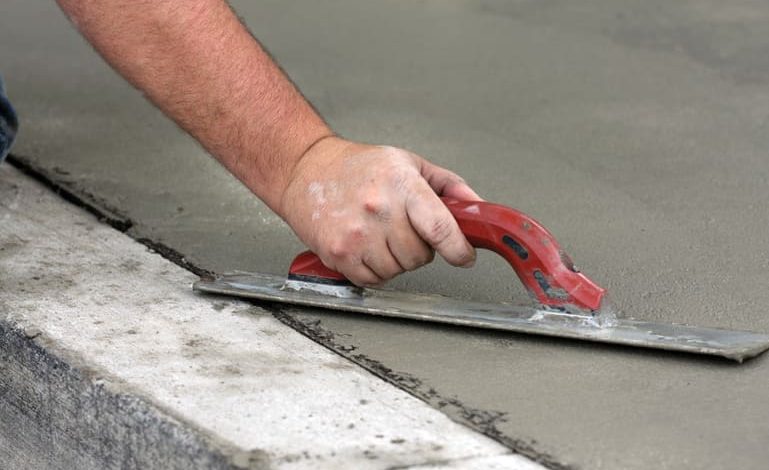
x=469, y=264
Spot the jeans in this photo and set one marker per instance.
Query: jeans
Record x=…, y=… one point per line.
x=9, y=124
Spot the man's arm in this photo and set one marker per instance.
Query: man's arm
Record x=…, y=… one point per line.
x=202, y=68
x=368, y=212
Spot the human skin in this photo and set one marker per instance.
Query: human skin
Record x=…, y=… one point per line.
x=369, y=212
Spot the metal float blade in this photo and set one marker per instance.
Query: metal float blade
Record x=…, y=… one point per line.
x=736, y=345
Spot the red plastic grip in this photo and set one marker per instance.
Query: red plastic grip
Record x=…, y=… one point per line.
x=543, y=268
x=309, y=267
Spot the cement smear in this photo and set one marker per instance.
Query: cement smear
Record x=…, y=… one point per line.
x=635, y=131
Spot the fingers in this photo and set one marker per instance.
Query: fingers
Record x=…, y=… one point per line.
x=382, y=262
x=383, y=216
x=447, y=183
x=376, y=267
x=370, y=262
x=460, y=190
x=345, y=255
x=402, y=250
x=360, y=252
x=407, y=247
x=435, y=224
x=357, y=272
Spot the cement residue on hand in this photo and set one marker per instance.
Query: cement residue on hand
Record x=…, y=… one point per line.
x=316, y=191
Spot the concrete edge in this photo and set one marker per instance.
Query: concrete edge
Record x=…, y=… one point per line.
x=118, y=423
x=482, y=421
x=59, y=389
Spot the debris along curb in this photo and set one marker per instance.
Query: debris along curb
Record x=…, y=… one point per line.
x=108, y=360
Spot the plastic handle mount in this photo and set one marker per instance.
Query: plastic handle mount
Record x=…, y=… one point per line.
x=543, y=268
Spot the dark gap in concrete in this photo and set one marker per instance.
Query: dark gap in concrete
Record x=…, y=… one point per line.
x=78, y=197
x=437, y=463
x=174, y=256
x=482, y=421
x=109, y=215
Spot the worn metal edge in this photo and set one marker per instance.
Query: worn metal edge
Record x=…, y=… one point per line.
x=736, y=345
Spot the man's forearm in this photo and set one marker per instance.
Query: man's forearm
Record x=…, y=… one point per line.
x=369, y=212
x=198, y=63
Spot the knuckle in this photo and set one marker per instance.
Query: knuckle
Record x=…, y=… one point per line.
x=394, y=271
x=412, y=264
x=377, y=206
x=356, y=234
x=339, y=250
x=439, y=230
x=428, y=258
x=401, y=181
x=366, y=280
x=421, y=258
x=346, y=245
x=384, y=277
x=454, y=178
x=383, y=267
x=372, y=206
x=353, y=234
x=457, y=181
x=397, y=169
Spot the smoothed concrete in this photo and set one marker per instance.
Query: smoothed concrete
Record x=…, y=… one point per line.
x=637, y=131
x=109, y=360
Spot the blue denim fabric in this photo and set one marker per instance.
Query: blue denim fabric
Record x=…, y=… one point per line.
x=9, y=124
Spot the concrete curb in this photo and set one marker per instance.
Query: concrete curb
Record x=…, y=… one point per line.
x=64, y=416
x=108, y=360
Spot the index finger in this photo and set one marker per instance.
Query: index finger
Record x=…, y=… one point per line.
x=432, y=220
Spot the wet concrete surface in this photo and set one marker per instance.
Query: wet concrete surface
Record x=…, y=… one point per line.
x=635, y=131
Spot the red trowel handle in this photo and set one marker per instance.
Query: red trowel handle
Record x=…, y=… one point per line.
x=545, y=270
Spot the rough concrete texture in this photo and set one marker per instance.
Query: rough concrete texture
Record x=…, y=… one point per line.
x=59, y=415
x=635, y=130
x=109, y=360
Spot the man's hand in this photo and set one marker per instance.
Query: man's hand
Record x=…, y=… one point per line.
x=373, y=212
x=368, y=212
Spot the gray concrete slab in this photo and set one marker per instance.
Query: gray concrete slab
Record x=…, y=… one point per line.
x=108, y=360
x=635, y=130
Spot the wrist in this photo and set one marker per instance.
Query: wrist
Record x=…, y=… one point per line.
x=315, y=162
x=293, y=162
x=269, y=167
